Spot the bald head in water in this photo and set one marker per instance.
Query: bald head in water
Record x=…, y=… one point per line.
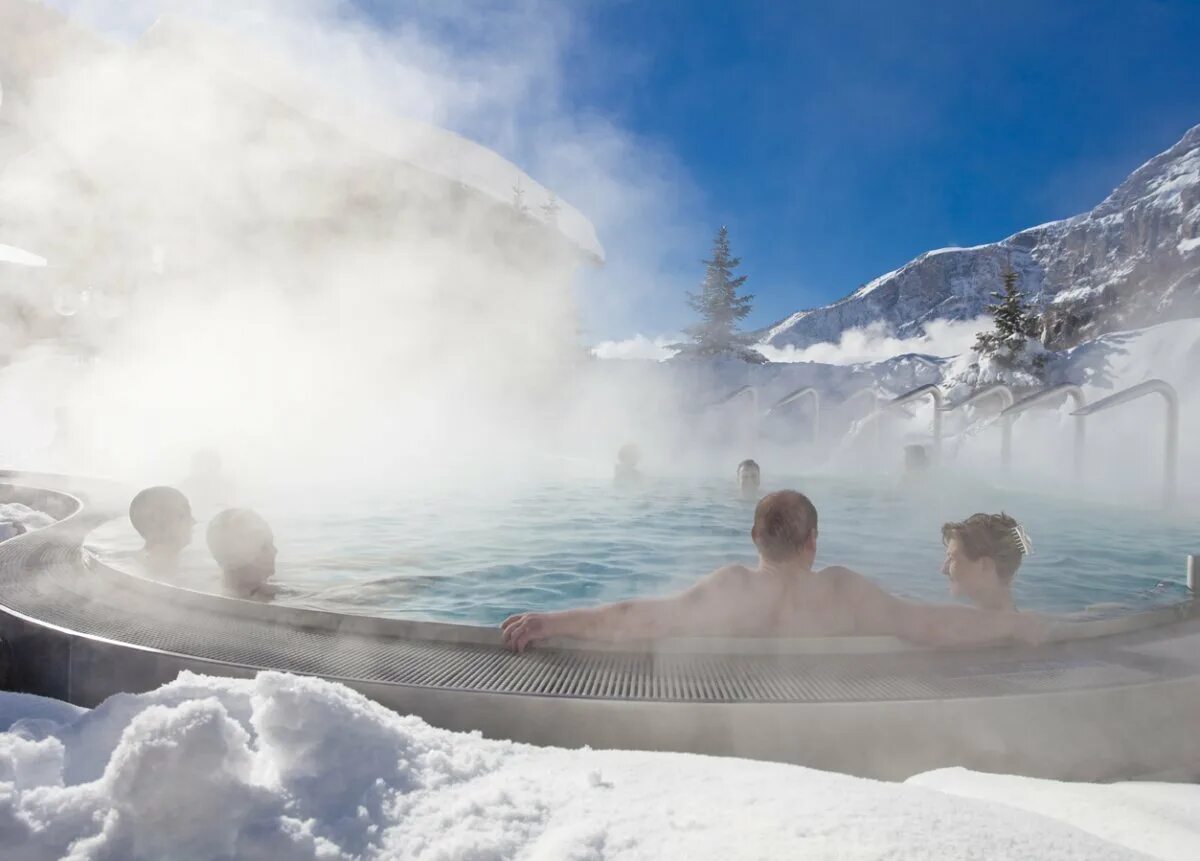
x=244, y=546
x=785, y=528
x=163, y=517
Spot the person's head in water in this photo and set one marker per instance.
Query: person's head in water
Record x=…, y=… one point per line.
x=628, y=457
x=983, y=554
x=163, y=517
x=749, y=477
x=916, y=460
x=244, y=546
x=785, y=529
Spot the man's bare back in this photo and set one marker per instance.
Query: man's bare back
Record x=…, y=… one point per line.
x=772, y=601
x=782, y=597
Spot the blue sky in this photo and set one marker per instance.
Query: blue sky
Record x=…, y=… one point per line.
x=838, y=140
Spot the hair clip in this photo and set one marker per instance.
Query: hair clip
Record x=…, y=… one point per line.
x=1024, y=542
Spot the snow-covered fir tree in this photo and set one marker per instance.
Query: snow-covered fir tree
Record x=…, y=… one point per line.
x=1016, y=324
x=518, y=201
x=550, y=210
x=721, y=308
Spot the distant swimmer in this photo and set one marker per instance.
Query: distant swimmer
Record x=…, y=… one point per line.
x=626, y=469
x=916, y=465
x=244, y=546
x=207, y=485
x=983, y=554
x=749, y=479
x=163, y=517
x=781, y=597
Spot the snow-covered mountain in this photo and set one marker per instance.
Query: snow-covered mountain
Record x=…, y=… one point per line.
x=1132, y=261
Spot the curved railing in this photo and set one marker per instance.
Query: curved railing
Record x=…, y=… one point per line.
x=874, y=416
x=742, y=392
x=1171, y=442
x=1063, y=390
x=1004, y=393
x=917, y=394
x=803, y=392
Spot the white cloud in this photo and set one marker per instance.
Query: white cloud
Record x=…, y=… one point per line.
x=638, y=347
x=873, y=343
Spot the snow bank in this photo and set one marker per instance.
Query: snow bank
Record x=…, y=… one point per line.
x=1159, y=819
x=16, y=512
x=286, y=767
x=11, y=254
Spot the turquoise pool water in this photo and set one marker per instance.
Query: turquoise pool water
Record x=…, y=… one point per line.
x=462, y=557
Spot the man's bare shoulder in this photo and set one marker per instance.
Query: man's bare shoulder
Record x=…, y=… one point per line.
x=852, y=587
x=843, y=578
x=730, y=575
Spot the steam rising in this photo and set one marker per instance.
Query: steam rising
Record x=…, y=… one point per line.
x=874, y=343
x=257, y=244
x=261, y=240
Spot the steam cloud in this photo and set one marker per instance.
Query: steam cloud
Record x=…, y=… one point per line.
x=242, y=276
x=241, y=260
x=873, y=343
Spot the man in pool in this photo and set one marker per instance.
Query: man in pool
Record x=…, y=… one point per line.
x=625, y=472
x=243, y=545
x=782, y=597
x=983, y=554
x=163, y=517
x=749, y=478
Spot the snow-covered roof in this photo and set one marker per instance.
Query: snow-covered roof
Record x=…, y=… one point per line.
x=12, y=254
x=434, y=150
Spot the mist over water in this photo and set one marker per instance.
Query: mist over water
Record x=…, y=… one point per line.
x=259, y=244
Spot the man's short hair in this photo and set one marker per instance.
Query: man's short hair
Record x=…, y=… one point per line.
x=158, y=512
x=783, y=523
x=237, y=536
x=747, y=464
x=990, y=535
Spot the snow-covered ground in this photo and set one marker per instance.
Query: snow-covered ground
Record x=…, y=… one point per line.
x=286, y=767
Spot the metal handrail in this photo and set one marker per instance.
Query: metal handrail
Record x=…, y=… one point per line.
x=737, y=393
x=792, y=397
x=869, y=390
x=1006, y=396
x=1062, y=390
x=1171, y=447
x=932, y=391
x=876, y=413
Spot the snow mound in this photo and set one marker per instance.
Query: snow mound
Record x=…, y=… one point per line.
x=16, y=512
x=287, y=767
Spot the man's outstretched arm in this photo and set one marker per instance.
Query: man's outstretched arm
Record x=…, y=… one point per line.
x=878, y=612
x=704, y=609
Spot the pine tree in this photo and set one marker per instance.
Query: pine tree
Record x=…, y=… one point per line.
x=550, y=210
x=720, y=307
x=518, y=202
x=1015, y=322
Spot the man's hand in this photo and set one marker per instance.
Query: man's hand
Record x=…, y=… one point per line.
x=524, y=629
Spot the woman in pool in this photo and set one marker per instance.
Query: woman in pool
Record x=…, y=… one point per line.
x=983, y=554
